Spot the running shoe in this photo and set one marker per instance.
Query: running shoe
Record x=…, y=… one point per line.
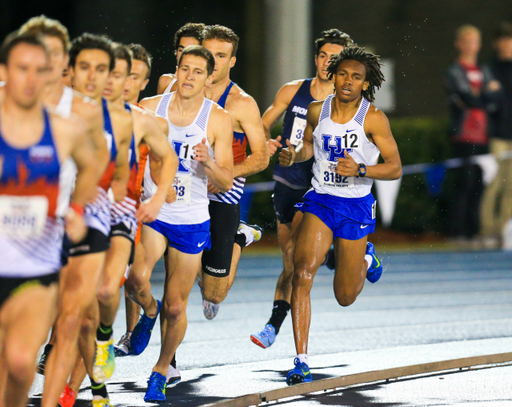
x=104, y=361
x=156, y=388
x=123, y=346
x=210, y=310
x=375, y=270
x=41, y=365
x=142, y=332
x=67, y=398
x=252, y=232
x=264, y=338
x=299, y=374
x=98, y=401
x=173, y=376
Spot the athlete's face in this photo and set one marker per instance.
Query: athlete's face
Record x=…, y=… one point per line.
x=138, y=83
x=91, y=72
x=184, y=43
x=323, y=58
x=58, y=58
x=469, y=43
x=349, y=81
x=26, y=74
x=117, y=81
x=222, y=51
x=192, y=76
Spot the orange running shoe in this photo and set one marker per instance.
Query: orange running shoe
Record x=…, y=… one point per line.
x=67, y=398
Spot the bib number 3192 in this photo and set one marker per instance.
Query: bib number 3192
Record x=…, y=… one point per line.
x=329, y=178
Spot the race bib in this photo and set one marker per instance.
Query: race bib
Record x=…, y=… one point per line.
x=23, y=217
x=182, y=185
x=329, y=179
x=297, y=135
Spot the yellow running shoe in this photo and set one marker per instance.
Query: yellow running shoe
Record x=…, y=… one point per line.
x=104, y=361
x=101, y=402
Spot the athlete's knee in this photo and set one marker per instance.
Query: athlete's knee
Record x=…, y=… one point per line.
x=346, y=296
x=20, y=363
x=108, y=290
x=302, y=276
x=89, y=324
x=174, y=309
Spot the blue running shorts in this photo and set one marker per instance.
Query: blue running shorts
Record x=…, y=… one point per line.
x=348, y=218
x=190, y=239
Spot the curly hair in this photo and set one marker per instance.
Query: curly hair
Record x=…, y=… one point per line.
x=371, y=64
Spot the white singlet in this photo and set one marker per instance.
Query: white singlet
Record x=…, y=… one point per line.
x=168, y=89
x=330, y=141
x=191, y=206
x=68, y=168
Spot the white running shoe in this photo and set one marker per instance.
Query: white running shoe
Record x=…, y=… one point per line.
x=173, y=376
x=252, y=233
x=210, y=310
x=123, y=346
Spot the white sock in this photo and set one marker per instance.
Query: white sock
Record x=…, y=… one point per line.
x=303, y=358
x=369, y=259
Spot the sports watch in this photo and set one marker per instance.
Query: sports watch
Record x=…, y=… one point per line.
x=362, y=170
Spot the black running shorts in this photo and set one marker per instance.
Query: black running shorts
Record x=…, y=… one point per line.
x=121, y=229
x=10, y=286
x=285, y=199
x=94, y=242
x=224, y=221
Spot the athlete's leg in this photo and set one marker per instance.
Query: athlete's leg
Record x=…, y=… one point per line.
x=132, y=312
x=314, y=239
x=182, y=272
x=26, y=319
x=79, y=285
x=86, y=340
x=151, y=247
x=351, y=269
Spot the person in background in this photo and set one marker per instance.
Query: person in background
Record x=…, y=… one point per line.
x=496, y=207
x=472, y=94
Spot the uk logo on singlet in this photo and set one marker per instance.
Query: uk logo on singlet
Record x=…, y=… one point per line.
x=182, y=150
x=333, y=146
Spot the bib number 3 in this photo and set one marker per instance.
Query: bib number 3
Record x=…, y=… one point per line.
x=297, y=135
x=329, y=178
x=182, y=185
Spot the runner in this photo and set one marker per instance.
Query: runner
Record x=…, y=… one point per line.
x=293, y=182
x=189, y=34
x=345, y=134
x=220, y=263
x=199, y=130
x=34, y=145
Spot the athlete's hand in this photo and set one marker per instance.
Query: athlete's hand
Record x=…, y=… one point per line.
x=171, y=195
x=273, y=145
x=201, y=153
x=149, y=209
x=287, y=155
x=119, y=188
x=212, y=188
x=347, y=166
x=76, y=229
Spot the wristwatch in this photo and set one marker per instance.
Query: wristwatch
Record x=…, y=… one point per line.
x=362, y=170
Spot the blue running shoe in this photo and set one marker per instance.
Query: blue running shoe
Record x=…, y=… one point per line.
x=375, y=270
x=156, y=388
x=265, y=337
x=142, y=332
x=299, y=374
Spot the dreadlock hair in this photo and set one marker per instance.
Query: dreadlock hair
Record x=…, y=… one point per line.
x=192, y=30
x=92, y=41
x=141, y=54
x=332, y=36
x=371, y=63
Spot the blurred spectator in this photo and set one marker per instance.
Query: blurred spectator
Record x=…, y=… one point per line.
x=497, y=200
x=472, y=94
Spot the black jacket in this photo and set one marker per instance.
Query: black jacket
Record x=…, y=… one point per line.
x=502, y=118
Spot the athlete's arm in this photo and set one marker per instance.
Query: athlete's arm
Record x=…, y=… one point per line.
x=154, y=137
x=163, y=82
x=289, y=155
x=122, y=126
x=92, y=115
x=251, y=125
x=377, y=128
x=220, y=134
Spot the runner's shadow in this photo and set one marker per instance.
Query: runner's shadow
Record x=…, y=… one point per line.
x=281, y=374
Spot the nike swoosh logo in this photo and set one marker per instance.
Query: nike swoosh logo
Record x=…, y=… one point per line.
x=364, y=227
x=190, y=135
x=350, y=131
x=200, y=244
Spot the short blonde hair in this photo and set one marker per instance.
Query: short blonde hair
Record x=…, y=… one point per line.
x=466, y=28
x=47, y=27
